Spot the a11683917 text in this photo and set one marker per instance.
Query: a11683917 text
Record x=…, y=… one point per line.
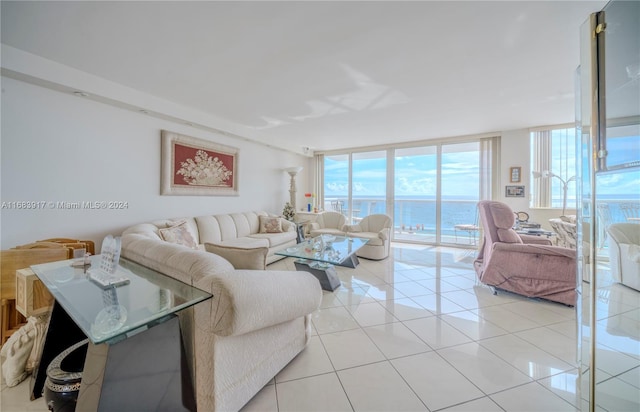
x=65, y=205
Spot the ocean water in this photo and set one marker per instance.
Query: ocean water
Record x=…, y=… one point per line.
x=419, y=215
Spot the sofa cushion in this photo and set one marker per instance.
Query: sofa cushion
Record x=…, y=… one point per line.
x=209, y=229
x=248, y=242
x=179, y=233
x=241, y=258
x=270, y=224
x=243, y=226
x=275, y=239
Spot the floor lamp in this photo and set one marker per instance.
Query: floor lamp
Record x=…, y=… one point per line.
x=565, y=185
x=293, y=171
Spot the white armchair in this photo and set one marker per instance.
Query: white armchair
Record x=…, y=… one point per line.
x=624, y=253
x=376, y=228
x=328, y=223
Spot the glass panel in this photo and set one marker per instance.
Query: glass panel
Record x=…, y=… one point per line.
x=587, y=214
x=336, y=183
x=618, y=275
x=460, y=192
x=415, y=189
x=369, y=178
x=622, y=84
x=608, y=282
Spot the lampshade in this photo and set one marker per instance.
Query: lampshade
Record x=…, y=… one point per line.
x=293, y=170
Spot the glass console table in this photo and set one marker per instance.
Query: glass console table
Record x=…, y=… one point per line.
x=320, y=254
x=135, y=345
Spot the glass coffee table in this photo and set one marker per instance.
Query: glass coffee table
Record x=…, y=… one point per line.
x=133, y=333
x=320, y=254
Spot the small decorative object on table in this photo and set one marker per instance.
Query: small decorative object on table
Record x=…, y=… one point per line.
x=309, y=197
x=105, y=275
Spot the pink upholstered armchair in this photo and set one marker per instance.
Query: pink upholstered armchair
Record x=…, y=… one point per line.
x=523, y=264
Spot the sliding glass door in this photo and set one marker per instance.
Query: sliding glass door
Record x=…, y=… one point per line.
x=415, y=195
x=460, y=193
x=369, y=192
x=431, y=191
x=336, y=182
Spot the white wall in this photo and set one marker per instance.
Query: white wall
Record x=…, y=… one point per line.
x=59, y=147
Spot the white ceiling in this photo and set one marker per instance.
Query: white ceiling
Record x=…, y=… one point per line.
x=326, y=75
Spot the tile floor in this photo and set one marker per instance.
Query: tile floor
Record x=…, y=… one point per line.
x=416, y=332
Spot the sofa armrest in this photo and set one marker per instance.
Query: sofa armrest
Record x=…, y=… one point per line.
x=288, y=226
x=384, y=233
x=534, y=249
x=243, y=300
x=250, y=300
x=535, y=240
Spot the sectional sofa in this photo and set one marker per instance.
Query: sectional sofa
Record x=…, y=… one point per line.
x=257, y=320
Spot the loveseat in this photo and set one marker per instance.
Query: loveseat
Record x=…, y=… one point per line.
x=257, y=320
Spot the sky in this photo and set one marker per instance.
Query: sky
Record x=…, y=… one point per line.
x=415, y=175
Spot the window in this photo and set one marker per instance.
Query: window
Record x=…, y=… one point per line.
x=553, y=163
x=429, y=190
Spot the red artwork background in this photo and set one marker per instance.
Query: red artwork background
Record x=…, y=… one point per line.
x=183, y=152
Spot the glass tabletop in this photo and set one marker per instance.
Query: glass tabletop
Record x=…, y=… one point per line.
x=325, y=248
x=105, y=313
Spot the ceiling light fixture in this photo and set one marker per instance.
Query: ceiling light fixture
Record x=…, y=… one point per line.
x=81, y=94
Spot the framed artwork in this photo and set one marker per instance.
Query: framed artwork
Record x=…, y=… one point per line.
x=514, y=191
x=192, y=166
x=514, y=174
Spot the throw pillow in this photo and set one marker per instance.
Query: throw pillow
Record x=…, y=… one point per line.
x=241, y=258
x=15, y=353
x=179, y=234
x=270, y=224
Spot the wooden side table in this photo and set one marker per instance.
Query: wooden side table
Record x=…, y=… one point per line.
x=32, y=297
x=10, y=261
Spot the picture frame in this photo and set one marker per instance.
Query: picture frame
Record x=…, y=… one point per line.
x=514, y=191
x=515, y=174
x=197, y=167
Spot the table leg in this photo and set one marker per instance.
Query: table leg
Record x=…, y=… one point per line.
x=328, y=277
x=351, y=261
x=61, y=333
x=145, y=372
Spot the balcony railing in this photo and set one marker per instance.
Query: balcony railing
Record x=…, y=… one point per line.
x=415, y=218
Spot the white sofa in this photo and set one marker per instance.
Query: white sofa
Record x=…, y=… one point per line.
x=257, y=320
x=235, y=230
x=624, y=253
